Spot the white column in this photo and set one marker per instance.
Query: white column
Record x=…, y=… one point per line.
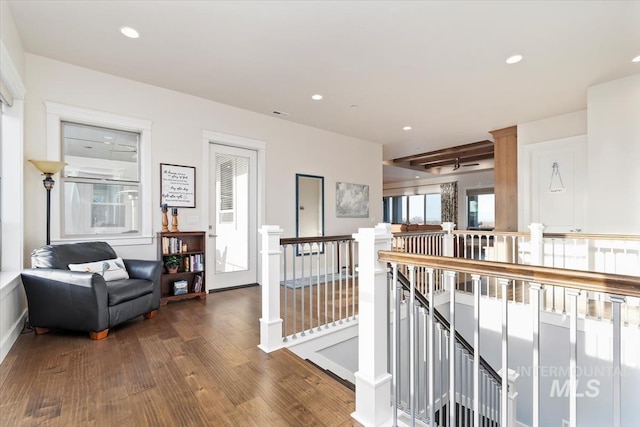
x=512, y=377
x=537, y=243
x=447, y=246
x=373, y=390
x=270, y=322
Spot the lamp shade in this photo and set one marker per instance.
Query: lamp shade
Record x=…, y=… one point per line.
x=48, y=166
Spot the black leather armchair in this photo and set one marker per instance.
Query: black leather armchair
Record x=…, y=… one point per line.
x=82, y=301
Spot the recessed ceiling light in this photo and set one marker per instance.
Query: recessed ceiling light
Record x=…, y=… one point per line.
x=514, y=59
x=417, y=176
x=129, y=32
x=636, y=59
x=316, y=97
x=407, y=128
x=354, y=106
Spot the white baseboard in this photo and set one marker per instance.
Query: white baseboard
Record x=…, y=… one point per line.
x=7, y=341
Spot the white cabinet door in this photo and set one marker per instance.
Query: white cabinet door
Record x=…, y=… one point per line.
x=555, y=181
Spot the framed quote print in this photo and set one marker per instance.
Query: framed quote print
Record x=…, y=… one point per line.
x=177, y=186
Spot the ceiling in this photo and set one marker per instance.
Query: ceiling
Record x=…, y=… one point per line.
x=436, y=66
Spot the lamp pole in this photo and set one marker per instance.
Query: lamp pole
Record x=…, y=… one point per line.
x=48, y=185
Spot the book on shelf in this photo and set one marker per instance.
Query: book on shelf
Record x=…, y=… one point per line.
x=180, y=287
x=197, y=283
x=173, y=245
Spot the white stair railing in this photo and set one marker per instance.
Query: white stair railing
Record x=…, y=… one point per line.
x=309, y=286
x=433, y=373
x=617, y=289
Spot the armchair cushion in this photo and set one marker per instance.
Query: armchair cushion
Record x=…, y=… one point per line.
x=120, y=291
x=110, y=269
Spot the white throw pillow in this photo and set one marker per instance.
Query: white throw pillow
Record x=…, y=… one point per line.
x=110, y=269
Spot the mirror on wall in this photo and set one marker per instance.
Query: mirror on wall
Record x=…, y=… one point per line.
x=309, y=205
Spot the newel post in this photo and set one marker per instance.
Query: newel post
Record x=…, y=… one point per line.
x=373, y=381
x=537, y=243
x=270, y=322
x=512, y=394
x=447, y=245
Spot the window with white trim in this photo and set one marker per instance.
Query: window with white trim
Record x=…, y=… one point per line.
x=101, y=181
x=104, y=191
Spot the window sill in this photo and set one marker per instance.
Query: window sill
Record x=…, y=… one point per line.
x=112, y=240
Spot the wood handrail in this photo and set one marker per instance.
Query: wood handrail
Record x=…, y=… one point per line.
x=417, y=233
x=492, y=233
x=316, y=239
x=629, y=237
x=615, y=284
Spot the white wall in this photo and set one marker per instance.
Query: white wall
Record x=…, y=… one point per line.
x=10, y=38
x=612, y=125
x=178, y=120
x=466, y=181
x=563, y=126
x=614, y=156
x=12, y=300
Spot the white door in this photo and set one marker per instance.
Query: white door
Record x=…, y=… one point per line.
x=233, y=216
x=558, y=183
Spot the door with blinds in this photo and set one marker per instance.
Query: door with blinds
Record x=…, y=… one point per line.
x=233, y=210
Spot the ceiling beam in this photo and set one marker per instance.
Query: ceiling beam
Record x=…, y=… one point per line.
x=461, y=154
x=450, y=151
x=453, y=161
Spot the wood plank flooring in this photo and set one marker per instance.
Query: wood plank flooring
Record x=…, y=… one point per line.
x=195, y=364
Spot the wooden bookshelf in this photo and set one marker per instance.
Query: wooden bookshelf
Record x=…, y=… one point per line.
x=190, y=247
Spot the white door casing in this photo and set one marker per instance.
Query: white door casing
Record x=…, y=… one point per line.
x=232, y=242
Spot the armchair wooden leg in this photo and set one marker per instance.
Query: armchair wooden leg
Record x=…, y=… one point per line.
x=151, y=314
x=40, y=331
x=99, y=335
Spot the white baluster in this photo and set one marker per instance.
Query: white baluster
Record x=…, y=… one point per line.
x=573, y=355
x=450, y=278
x=284, y=316
x=412, y=344
x=504, y=284
x=396, y=289
x=431, y=359
x=475, y=278
x=617, y=362
x=535, y=290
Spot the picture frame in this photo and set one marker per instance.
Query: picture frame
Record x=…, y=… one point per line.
x=352, y=200
x=177, y=186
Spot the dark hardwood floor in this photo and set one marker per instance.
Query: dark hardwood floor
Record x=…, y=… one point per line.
x=195, y=364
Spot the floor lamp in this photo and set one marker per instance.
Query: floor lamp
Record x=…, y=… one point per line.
x=48, y=169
